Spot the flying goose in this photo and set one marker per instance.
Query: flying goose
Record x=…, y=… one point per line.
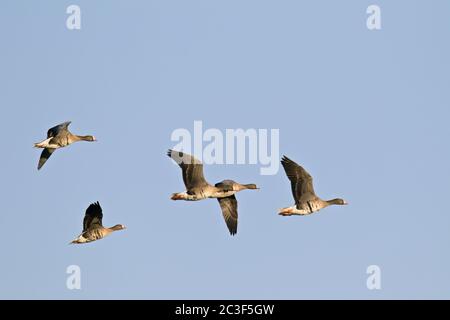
x=306, y=201
x=92, y=226
x=58, y=137
x=197, y=188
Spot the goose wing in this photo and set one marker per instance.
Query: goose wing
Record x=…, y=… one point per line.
x=191, y=167
x=301, y=180
x=93, y=217
x=46, y=153
x=229, y=207
x=53, y=132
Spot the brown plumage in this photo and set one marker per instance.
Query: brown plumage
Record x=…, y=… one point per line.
x=92, y=226
x=306, y=200
x=58, y=137
x=197, y=188
x=229, y=206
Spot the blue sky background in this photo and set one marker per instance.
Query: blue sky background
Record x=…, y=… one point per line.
x=365, y=112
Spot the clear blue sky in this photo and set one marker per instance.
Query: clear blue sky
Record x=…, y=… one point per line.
x=365, y=112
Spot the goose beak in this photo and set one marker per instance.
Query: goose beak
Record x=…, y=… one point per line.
x=345, y=203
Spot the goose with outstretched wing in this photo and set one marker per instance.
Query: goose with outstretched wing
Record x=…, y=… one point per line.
x=197, y=188
x=306, y=200
x=58, y=137
x=93, y=228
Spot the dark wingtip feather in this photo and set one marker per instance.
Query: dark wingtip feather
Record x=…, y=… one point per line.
x=94, y=204
x=285, y=159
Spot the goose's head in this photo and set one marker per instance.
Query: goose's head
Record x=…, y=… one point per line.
x=87, y=138
x=118, y=227
x=338, y=201
x=250, y=186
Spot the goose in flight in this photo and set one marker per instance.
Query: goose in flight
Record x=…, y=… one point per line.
x=197, y=188
x=306, y=201
x=58, y=137
x=92, y=226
